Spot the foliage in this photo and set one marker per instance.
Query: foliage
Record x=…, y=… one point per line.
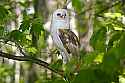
x=104, y=65
x=5, y=71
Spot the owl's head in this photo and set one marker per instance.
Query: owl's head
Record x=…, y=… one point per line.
x=60, y=14
x=60, y=19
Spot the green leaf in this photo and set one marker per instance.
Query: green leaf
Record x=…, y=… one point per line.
x=57, y=65
x=112, y=15
x=98, y=39
x=57, y=81
x=16, y=35
x=111, y=60
x=116, y=35
x=89, y=58
x=77, y=4
x=42, y=40
x=1, y=30
x=99, y=58
x=37, y=27
x=25, y=25
x=3, y=13
x=121, y=45
x=85, y=76
x=93, y=75
x=31, y=50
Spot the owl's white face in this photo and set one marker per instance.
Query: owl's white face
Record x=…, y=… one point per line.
x=60, y=15
x=60, y=20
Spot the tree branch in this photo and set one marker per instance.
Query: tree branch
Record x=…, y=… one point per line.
x=108, y=7
x=96, y=14
x=31, y=59
x=26, y=57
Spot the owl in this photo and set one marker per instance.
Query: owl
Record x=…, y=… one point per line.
x=63, y=37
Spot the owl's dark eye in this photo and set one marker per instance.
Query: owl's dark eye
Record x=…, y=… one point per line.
x=58, y=14
x=65, y=14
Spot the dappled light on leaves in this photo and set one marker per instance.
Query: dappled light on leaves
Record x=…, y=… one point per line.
x=28, y=56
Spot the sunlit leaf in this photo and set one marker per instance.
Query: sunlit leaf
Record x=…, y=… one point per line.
x=113, y=15
x=31, y=50
x=99, y=58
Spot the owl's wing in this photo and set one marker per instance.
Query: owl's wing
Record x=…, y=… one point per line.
x=69, y=40
x=58, y=42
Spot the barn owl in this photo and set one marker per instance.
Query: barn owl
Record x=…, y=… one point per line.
x=63, y=37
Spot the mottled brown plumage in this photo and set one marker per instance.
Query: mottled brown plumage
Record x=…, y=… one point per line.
x=69, y=40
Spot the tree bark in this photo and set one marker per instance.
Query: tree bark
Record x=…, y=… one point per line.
x=85, y=39
x=41, y=10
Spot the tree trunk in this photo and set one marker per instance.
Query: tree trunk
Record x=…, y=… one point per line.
x=41, y=10
x=18, y=23
x=85, y=39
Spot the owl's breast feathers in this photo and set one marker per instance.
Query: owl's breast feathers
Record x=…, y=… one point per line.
x=69, y=40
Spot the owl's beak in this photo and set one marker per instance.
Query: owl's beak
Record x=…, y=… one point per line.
x=62, y=16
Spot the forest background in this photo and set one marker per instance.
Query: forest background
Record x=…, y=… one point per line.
x=27, y=54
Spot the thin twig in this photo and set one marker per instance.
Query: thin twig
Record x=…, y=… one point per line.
x=66, y=4
x=83, y=12
x=20, y=49
x=108, y=7
x=96, y=14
